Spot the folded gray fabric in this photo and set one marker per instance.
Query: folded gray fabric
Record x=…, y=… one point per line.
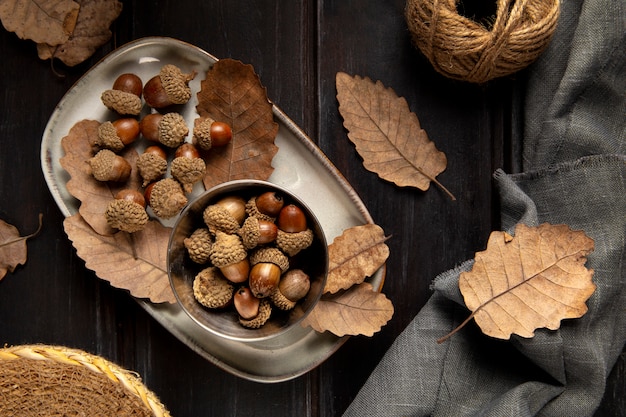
x=573, y=167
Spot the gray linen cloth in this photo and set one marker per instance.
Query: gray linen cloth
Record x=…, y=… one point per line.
x=573, y=167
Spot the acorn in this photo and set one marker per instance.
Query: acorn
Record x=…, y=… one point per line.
x=106, y=165
x=208, y=133
x=265, y=311
x=293, y=286
x=168, y=129
x=270, y=203
x=246, y=304
x=127, y=211
x=199, y=245
x=187, y=167
x=293, y=234
x=117, y=134
x=166, y=197
x=255, y=231
x=211, y=289
x=229, y=255
x=152, y=164
x=226, y=215
x=170, y=86
x=268, y=264
x=125, y=95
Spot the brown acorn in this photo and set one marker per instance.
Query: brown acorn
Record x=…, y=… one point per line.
x=108, y=166
x=268, y=264
x=291, y=219
x=187, y=167
x=199, y=245
x=125, y=95
x=226, y=215
x=255, y=231
x=166, y=197
x=117, y=134
x=229, y=255
x=246, y=304
x=270, y=203
x=265, y=311
x=168, y=129
x=127, y=212
x=170, y=86
x=152, y=164
x=211, y=289
x=207, y=133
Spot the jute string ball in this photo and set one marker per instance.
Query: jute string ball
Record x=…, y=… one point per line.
x=40, y=380
x=463, y=49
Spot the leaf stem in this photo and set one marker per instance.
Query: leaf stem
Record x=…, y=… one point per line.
x=20, y=238
x=459, y=327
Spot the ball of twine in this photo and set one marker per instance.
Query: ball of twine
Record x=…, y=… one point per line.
x=463, y=49
x=41, y=380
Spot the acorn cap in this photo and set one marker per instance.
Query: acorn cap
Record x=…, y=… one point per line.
x=167, y=198
x=172, y=129
x=211, y=289
x=292, y=243
x=188, y=171
x=265, y=311
x=280, y=301
x=108, y=138
x=202, y=132
x=227, y=250
x=270, y=255
x=151, y=167
x=199, y=245
x=126, y=215
x=106, y=165
x=176, y=84
x=216, y=217
x=250, y=232
x=122, y=102
x=253, y=211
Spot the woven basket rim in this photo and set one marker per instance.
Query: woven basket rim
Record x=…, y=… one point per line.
x=128, y=380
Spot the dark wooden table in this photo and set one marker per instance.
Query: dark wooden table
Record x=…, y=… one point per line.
x=296, y=47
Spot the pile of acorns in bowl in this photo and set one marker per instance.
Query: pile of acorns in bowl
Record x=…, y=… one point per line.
x=248, y=247
x=165, y=131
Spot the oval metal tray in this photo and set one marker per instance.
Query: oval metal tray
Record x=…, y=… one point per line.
x=300, y=166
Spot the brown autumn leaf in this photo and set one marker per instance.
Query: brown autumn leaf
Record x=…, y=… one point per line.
x=355, y=255
x=13, y=251
x=93, y=195
x=91, y=31
x=232, y=93
x=137, y=262
x=357, y=311
x=533, y=280
x=387, y=135
x=49, y=21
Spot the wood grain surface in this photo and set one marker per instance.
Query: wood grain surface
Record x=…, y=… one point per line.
x=296, y=47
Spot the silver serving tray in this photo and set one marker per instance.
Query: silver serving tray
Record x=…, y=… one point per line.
x=300, y=166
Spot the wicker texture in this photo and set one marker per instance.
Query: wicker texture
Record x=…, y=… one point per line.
x=57, y=381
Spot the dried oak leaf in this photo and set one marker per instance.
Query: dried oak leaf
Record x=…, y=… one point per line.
x=137, y=262
x=13, y=247
x=94, y=195
x=91, y=31
x=387, y=135
x=232, y=93
x=533, y=280
x=49, y=21
x=355, y=255
x=358, y=311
